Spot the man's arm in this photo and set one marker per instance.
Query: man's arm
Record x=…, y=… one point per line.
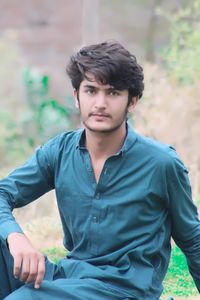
x=21, y=187
x=24, y=185
x=184, y=217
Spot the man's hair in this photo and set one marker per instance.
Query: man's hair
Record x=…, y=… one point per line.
x=109, y=63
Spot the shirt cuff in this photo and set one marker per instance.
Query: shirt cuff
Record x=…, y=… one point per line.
x=9, y=227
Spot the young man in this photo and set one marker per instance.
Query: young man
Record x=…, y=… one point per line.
x=121, y=197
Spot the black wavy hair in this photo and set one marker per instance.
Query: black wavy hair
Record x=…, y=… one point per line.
x=109, y=63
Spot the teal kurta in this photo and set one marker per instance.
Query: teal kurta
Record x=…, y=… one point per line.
x=117, y=231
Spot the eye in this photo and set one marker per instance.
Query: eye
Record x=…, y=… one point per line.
x=114, y=93
x=90, y=91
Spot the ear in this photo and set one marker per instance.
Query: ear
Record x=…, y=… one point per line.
x=132, y=104
x=75, y=93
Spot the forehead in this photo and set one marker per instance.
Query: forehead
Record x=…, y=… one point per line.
x=93, y=83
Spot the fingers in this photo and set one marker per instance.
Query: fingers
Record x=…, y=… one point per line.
x=33, y=265
x=40, y=273
x=30, y=269
x=17, y=266
x=25, y=270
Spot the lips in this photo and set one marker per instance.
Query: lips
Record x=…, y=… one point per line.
x=100, y=115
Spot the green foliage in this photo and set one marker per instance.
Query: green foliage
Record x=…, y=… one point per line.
x=12, y=144
x=51, y=115
x=44, y=118
x=48, y=116
x=182, y=55
x=37, y=87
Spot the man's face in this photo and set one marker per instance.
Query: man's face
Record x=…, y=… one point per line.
x=102, y=107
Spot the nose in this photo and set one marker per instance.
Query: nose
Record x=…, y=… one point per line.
x=101, y=101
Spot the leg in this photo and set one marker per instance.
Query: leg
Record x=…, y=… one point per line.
x=67, y=289
x=55, y=284
x=8, y=283
x=7, y=280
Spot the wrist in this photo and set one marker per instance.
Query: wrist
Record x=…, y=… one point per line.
x=13, y=235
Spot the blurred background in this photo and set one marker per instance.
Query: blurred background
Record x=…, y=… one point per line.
x=36, y=40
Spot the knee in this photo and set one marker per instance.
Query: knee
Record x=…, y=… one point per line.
x=21, y=293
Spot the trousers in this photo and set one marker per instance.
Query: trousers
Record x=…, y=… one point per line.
x=56, y=285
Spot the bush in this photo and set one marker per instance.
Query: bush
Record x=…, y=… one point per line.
x=181, y=57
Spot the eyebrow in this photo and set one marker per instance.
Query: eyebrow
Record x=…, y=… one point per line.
x=89, y=86
x=111, y=88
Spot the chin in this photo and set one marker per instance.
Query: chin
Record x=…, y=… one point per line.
x=98, y=129
x=102, y=126
x=102, y=129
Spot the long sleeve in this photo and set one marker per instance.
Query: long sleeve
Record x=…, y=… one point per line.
x=24, y=185
x=184, y=216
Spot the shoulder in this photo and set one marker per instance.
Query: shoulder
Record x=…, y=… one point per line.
x=69, y=138
x=159, y=153
x=61, y=145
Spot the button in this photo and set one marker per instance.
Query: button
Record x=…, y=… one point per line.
x=97, y=196
x=94, y=219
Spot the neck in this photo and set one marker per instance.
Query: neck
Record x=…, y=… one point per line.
x=101, y=145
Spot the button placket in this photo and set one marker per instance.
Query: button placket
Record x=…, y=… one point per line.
x=94, y=238
x=89, y=169
x=97, y=196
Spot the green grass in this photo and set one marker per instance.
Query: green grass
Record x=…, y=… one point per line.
x=178, y=281
x=55, y=254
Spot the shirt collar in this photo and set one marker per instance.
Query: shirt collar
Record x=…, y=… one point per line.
x=130, y=139
x=80, y=140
